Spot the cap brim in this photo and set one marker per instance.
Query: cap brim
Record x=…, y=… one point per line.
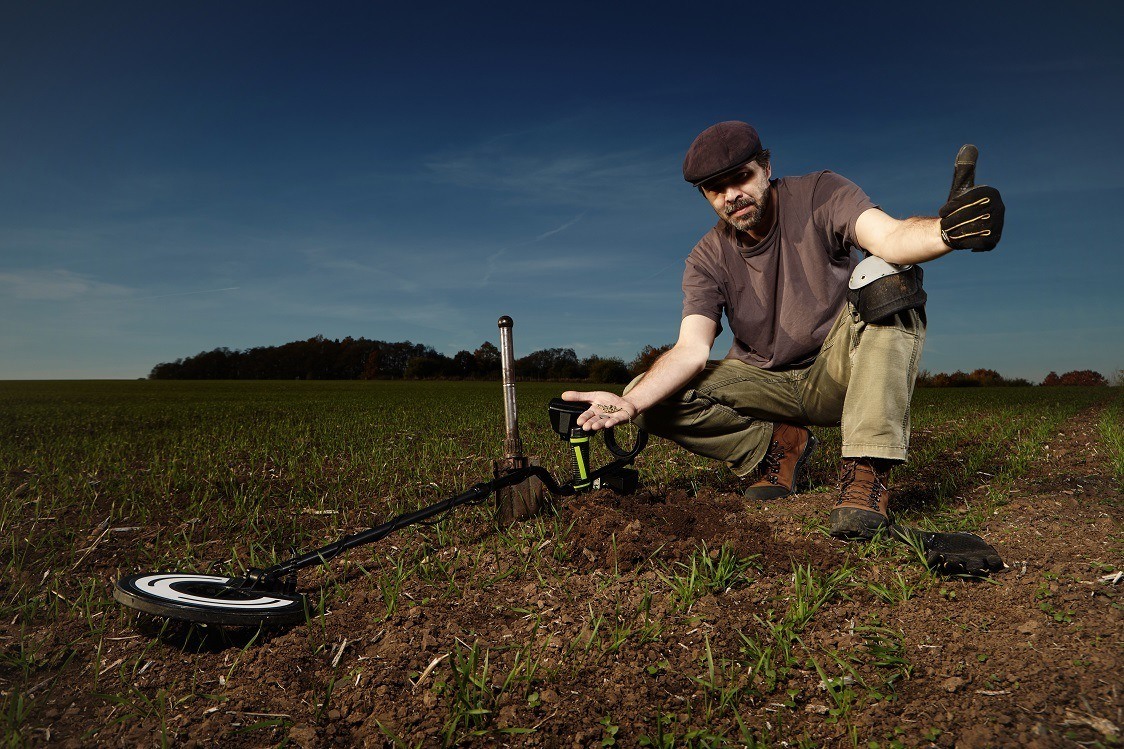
x=724, y=172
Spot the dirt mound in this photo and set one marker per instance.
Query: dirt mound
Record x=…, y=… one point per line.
x=624, y=532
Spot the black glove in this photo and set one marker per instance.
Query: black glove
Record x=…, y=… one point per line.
x=972, y=219
x=961, y=554
x=951, y=553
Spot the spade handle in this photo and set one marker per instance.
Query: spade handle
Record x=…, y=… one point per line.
x=512, y=444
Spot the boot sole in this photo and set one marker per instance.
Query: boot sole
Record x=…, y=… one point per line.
x=853, y=524
x=797, y=474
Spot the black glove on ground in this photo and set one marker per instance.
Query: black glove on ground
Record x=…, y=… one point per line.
x=957, y=553
x=972, y=219
x=961, y=554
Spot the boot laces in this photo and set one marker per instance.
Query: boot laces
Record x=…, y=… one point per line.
x=772, y=460
x=873, y=490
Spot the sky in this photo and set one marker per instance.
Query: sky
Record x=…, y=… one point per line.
x=181, y=176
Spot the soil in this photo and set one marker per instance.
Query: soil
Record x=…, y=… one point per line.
x=1032, y=658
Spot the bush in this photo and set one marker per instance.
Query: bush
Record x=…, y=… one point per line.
x=958, y=379
x=1078, y=377
x=646, y=358
x=607, y=370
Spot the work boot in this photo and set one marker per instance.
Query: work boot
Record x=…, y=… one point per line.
x=864, y=500
x=783, y=463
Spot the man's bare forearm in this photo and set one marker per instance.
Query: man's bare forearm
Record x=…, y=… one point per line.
x=916, y=240
x=669, y=374
x=912, y=240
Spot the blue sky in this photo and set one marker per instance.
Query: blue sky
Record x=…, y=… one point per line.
x=179, y=176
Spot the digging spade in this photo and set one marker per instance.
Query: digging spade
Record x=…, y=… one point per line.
x=524, y=499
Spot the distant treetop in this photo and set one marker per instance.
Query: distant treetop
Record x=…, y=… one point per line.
x=320, y=358
x=991, y=378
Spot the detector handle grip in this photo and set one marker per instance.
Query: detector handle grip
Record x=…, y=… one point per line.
x=564, y=420
x=579, y=442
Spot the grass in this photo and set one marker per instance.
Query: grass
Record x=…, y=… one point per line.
x=706, y=572
x=249, y=471
x=1111, y=427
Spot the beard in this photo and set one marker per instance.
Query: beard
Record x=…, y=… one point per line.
x=752, y=219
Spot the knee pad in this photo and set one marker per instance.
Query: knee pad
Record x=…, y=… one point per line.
x=879, y=289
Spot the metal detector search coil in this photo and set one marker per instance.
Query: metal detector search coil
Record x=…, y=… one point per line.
x=208, y=599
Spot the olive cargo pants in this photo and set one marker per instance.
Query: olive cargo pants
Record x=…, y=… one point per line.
x=862, y=380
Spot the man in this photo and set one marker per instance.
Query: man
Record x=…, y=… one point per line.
x=778, y=264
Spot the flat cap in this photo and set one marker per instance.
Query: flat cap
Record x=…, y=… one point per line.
x=719, y=149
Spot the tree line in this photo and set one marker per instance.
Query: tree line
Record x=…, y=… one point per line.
x=991, y=378
x=320, y=358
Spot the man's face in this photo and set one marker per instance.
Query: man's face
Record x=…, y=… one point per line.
x=740, y=198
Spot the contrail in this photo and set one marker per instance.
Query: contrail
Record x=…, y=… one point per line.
x=185, y=293
x=563, y=227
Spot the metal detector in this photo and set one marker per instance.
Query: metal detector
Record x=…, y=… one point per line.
x=269, y=596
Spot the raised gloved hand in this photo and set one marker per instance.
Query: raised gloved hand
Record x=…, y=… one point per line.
x=972, y=219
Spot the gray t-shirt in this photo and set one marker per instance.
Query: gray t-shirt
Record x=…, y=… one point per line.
x=782, y=295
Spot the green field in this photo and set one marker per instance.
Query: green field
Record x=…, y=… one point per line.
x=242, y=473
x=251, y=456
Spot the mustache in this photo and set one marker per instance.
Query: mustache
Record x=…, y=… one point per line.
x=737, y=205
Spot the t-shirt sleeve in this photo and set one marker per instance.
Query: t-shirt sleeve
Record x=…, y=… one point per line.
x=702, y=295
x=837, y=203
